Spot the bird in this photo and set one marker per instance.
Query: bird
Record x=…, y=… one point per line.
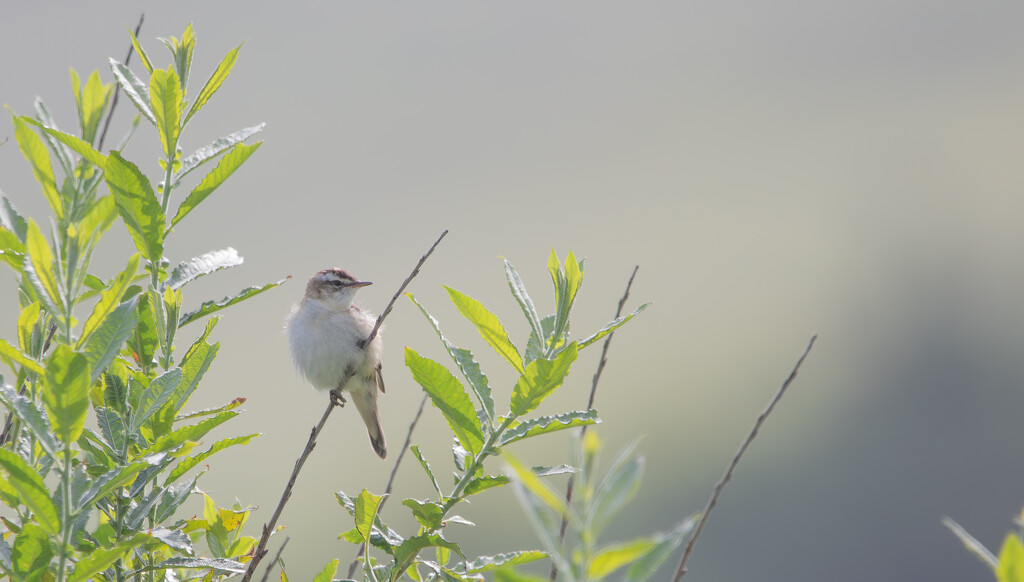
x=327, y=338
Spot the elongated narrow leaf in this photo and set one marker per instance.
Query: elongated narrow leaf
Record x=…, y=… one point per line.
x=540, y=379
x=63, y=154
x=532, y=482
x=185, y=465
x=612, y=326
x=109, y=300
x=546, y=527
x=112, y=427
x=32, y=553
x=214, y=82
x=30, y=416
x=365, y=511
x=212, y=150
x=971, y=543
x=194, y=364
x=72, y=142
x=225, y=167
x=523, y=298
x=27, y=322
x=464, y=360
x=175, y=497
x=202, y=563
x=141, y=52
x=42, y=262
x=666, y=544
x=484, y=483
x=191, y=432
x=406, y=553
x=488, y=563
x=211, y=411
x=155, y=396
x=110, y=481
x=426, y=469
x=616, y=489
x=165, y=98
x=209, y=307
x=95, y=97
x=101, y=558
x=136, y=90
x=546, y=424
x=488, y=325
x=138, y=206
x=105, y=343
x=205, y=264
x=612, y=558
x=11, y=354
x=66, y=393
x=34, y=150
x=12, y=250
x=12, y=220
x=448, y=395
x=31, y=490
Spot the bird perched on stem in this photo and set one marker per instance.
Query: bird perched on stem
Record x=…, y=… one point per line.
x=327, y=336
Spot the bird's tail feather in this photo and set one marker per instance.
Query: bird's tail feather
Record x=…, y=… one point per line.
x=366, y=404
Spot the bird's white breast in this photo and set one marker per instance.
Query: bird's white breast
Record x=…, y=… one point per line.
x=324, y=343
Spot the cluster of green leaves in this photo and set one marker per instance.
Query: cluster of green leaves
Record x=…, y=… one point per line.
x=99, y=503
x=1009, y=565
x=591, y=510
x=480, y=431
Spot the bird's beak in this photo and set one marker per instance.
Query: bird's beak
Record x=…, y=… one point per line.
x=361, y=283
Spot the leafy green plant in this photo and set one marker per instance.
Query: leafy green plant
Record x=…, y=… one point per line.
x=1008, y=566
x=481, y=431
x=98, y=450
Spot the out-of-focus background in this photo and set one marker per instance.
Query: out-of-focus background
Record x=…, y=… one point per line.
x=851, y=169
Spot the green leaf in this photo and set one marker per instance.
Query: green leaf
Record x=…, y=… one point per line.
x=488, y=325
x=488, y=563
x=100, y=559
x=66, y=393
x=142, y=53
x=31, y=554
x=540, y=379
x=12, y=355
x=546, y=424
x=143, y=342
x=138, y=206
x=62, y=152
x=75, y=143
x=12, y=250
x=1011, y=560
x=484, y=483
x=175, y=497
x=428, y=513
x=212, y=150
x=532, y=483
x=92, y=102
x=42, y=263
x=973, y=545
x=666, y=544
x=27, y=322
x=406, y=553
x=214, y=82
x=12, y=220
x=327, y=574
x=448, y=395
x=192, y=432
x=185, y=465
x=365, y=511
x=109, y=300
x=112, y=427
x=165, y=97
x=155, y=396
x=426, y=469
x=205, y=264
x=612, y=326
x=614, y=557
x=209, y=307
x=225, y=167
x=31, y=489
x=105, y=343
x=194, y=364
x=34, y=150
x=212, y=411
x=616, y=490
x=135, y=89
x=29, y=414
x=202, y=563
x=523, y=298
x=464, y=360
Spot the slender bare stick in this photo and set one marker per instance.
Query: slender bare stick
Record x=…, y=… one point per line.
x=335, y=400
x=717, y=492
x=553, y=574
x=391, y=480
x=277, y=557
x=117, y=89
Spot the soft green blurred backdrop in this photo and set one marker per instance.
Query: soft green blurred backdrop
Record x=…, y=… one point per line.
x=776, y=169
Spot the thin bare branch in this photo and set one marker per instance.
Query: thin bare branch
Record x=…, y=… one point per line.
x=277, y=558
x=720, y=486
x=391, y=480
x=335, y=400
x=553, y=574
x=117, y=89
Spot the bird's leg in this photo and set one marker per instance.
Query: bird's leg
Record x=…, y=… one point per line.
x=337, y=399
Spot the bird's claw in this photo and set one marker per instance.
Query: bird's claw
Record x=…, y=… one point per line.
x=337, y=399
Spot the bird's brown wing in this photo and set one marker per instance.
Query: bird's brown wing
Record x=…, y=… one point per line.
x=380, y=379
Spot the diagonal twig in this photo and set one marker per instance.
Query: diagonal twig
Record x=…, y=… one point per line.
x=717, y=492
x=117, y=88
x=268, y=528
x=391, y=481
x=277, y=557
x=590, y=404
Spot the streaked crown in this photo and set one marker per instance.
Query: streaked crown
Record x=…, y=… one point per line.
x=333, y=281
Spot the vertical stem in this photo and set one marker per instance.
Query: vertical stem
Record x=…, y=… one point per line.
x=65, y=513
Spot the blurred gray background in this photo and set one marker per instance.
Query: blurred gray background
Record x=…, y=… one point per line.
x=780, y=169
